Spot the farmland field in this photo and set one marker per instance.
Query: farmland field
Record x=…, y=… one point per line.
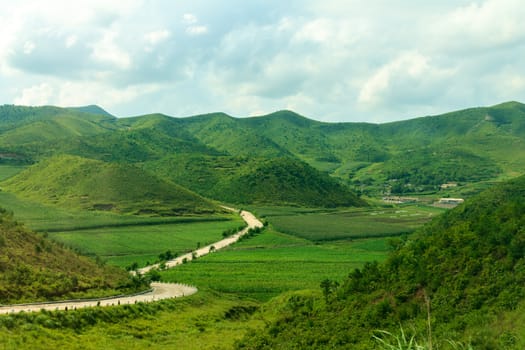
x=318, y=225
x=49, y=218
x=272, y=262
x=123, y=246
x=6, y=171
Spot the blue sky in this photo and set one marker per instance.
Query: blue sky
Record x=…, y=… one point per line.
x=373, y=60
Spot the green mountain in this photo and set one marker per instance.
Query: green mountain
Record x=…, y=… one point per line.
x=472, y=145
x=464, y=273
x=208, y=153
x=92, y=109
x=282, y=180
x=71, y=181
x=28, y=133
x=229, y=136
x=35, y=268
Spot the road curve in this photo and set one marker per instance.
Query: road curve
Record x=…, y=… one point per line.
x=158, y=290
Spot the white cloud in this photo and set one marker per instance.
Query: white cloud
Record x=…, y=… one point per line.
x=489, y=24
x=410, y=78
x=37, y=95
x=108, y=51
x=71, y=41
x=157, y=36
x=342, y=60
x=84, y=93
x=29, y=46
x=192, y=27
x=189, y=18
x=197, y=30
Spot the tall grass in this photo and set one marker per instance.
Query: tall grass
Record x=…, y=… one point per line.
x=402, y=341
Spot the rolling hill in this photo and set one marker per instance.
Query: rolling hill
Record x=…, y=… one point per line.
x=281, y=181
x=463, y=273
x=208, y=153
x=71, y=181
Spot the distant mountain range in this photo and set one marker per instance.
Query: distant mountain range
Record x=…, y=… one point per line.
x=281, y=158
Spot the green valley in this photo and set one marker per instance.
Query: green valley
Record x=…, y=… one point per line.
x=354, y=246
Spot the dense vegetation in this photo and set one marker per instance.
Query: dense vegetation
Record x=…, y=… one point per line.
x=464, y=271
x=33, y=267
x=122, y=187
x=276, y=181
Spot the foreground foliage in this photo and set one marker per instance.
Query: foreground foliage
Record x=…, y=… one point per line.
x=202, y=321
x=466, y=269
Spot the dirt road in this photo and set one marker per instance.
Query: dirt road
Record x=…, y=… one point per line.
x=159, y=291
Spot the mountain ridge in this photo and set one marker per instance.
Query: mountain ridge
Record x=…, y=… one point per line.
x=413, y=156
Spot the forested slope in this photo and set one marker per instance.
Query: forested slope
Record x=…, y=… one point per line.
x=465, y=270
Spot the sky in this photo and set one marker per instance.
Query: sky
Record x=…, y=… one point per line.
x=330, y=60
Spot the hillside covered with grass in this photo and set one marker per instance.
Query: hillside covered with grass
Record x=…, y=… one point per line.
x=209, y=153
x=34, y=268
x=463, y=272
x=71, y=181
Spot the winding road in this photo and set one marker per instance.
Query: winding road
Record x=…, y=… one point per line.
x=248, y=217
x=158, y=290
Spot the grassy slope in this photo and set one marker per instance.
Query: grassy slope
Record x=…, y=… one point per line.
x=35, y=268
x=228, y=135
x=30, y=132
x=469, y=262
x=89, y=184
x=92, y=109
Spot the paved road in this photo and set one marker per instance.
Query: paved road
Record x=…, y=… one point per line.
x=248, y=217
x=159, y=290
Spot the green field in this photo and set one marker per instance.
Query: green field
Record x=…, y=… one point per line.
x=7, y=171
x=48, y=218
x=120, y=240
x=318, y=225
x=122, y=246
x=272, y=262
